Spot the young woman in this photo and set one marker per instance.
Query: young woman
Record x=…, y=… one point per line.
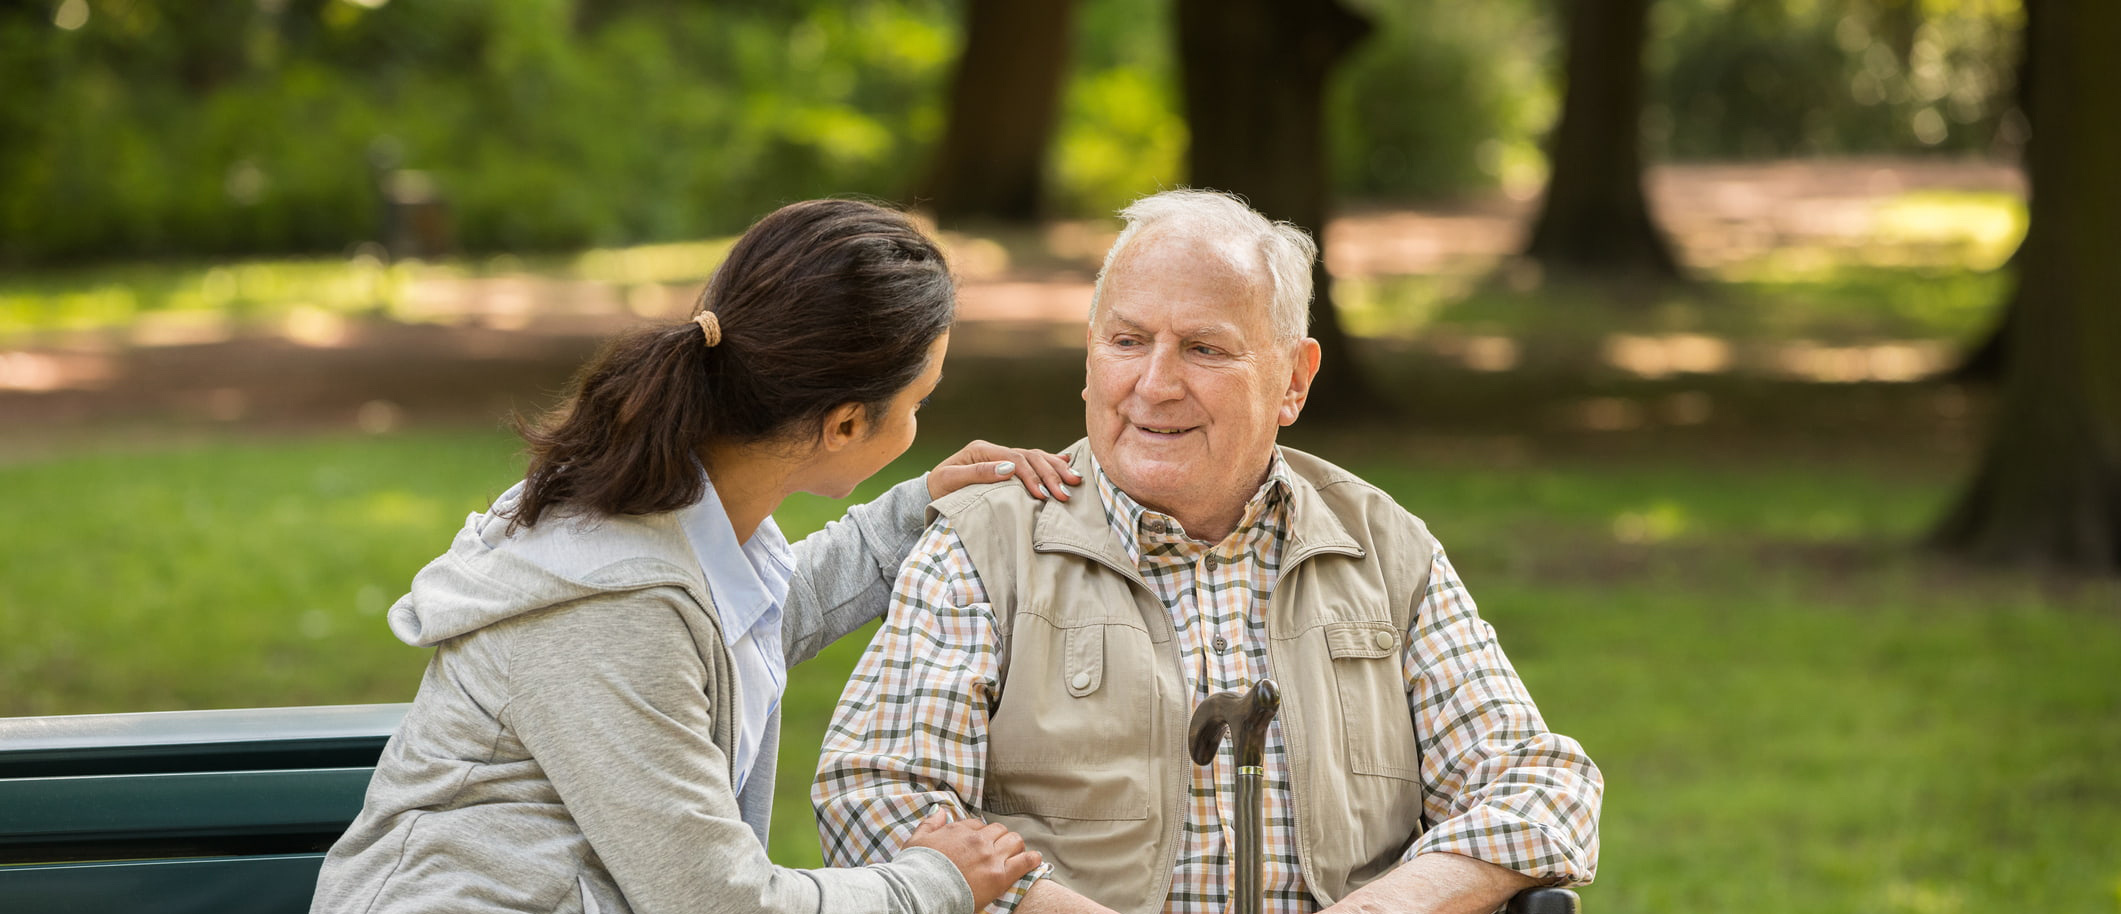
x=597, y=728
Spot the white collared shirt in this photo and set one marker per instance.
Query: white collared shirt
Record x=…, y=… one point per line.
x=748, y=583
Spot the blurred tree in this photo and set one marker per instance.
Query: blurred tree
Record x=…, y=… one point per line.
x=1983, y=363
x=1483, y=76
x=1772, y=78
x=1595, y=219
x=2048, y=490
x=1253, y=74
x=992, y=159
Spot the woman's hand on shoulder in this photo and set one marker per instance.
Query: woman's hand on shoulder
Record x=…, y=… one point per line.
x=991, y=857
x=1042, y=474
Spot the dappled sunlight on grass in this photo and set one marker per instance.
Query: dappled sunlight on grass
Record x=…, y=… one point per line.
x=1887, y=289
x=1852, y=304
x=686, y=262
x=397, y=508
x=1655, y=523
x=1855, y=323
x=1401, y=305
x=1984, y=227
x=308, y=299
x=151, y=301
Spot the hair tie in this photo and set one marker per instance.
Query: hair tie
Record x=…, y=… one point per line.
x=710, y=327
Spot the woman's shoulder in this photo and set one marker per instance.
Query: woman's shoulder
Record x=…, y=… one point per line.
x=618, y=550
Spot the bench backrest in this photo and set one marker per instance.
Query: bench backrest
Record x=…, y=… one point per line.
x=182, y=810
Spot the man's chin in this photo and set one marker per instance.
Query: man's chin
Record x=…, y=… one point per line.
x=1161, y=484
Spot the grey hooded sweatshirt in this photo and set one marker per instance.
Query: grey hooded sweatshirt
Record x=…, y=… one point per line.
x=569, y=750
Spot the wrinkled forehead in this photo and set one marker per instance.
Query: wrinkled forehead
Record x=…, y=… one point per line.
x=1168, y=259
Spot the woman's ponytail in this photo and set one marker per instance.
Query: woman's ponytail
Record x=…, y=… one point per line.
x=624, y=442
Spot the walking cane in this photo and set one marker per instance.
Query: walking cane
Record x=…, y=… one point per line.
x=1246, y=717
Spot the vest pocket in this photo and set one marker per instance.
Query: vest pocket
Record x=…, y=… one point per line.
x=1070, y=738
x=1081, y=794
x=1373, y=699
x=1084, y=669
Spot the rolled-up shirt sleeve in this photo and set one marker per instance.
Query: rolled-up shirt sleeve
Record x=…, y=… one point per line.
x=1497, y=785
x=909, y=735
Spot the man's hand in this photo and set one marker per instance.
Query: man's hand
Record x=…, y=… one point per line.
x=1042, y=474
x=1436, y=884
x=991, y=857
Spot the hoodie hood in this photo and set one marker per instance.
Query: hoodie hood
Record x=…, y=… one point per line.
x=490, y=573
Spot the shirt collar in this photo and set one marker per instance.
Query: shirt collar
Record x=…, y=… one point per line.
x=1132, y=522
x=747, y=582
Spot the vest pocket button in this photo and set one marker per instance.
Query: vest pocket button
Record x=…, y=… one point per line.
x=1385, y=640
x=1081, y=681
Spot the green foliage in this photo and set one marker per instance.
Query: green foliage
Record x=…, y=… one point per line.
x=1758, y=78
x=156, y=128
x=541, y=130
x=1121, y=133
x=1444, y=97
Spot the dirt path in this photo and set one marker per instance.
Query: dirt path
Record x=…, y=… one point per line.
x=500, y=343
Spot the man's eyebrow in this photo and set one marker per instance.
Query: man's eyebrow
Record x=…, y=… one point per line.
x=1124, y=324
x=1191, y=333
x=1212, y=331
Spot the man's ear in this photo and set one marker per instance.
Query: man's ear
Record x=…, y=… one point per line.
x=846, y=424
x=1089, y=340
x=1301, y=374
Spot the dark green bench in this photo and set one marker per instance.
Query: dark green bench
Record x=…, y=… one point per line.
x=180, y=811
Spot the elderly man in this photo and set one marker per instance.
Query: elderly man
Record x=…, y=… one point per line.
x=1041, y=659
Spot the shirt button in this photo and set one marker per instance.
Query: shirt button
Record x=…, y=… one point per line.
x=1221, y=644
x=1081, y=681
x=1385, y=640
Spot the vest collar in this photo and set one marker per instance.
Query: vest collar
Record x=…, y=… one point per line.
x=1080, y=525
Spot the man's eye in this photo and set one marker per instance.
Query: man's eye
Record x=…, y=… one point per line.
x=1126, y=341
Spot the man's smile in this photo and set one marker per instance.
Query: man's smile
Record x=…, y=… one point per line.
x=1170, y=431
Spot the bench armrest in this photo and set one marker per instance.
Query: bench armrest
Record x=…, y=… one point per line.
x=1544, y=901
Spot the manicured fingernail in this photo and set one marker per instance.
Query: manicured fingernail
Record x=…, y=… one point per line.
x=1042, y=493
x=1004, y=468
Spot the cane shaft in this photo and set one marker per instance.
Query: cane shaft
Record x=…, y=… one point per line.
x=1247, y=887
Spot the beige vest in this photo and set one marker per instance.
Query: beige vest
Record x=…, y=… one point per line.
x=1087, y=753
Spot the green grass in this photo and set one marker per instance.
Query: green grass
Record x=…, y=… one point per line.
x=1793, y=712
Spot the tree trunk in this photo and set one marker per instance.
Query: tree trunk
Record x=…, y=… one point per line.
x=1003, y=101
x=2048, y=491
x=1595, y=220
x=1254, y=74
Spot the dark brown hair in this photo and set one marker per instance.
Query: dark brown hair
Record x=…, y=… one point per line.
x=821, y=304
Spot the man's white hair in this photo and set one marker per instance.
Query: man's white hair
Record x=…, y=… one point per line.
x=1283, y=251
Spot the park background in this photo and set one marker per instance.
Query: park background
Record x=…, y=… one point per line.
x=1742, y=352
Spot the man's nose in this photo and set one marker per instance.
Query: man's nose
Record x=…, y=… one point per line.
x=1163, y=378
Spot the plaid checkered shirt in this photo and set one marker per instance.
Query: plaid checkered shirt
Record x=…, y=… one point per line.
x=909, y=734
